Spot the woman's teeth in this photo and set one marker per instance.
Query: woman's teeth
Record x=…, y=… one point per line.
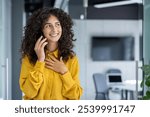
x=53, y=35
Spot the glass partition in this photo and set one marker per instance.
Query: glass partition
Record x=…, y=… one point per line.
x=1, y=52
x=5, y=39
x=146, y=36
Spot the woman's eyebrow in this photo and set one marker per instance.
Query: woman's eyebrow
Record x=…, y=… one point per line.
x=51, y=23
x=47, y=23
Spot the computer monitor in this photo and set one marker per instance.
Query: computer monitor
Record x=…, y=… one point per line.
x=114, y=78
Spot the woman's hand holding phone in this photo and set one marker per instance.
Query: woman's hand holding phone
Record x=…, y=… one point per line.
x=39, y=48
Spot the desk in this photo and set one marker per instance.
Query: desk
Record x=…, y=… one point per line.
x=128, y=88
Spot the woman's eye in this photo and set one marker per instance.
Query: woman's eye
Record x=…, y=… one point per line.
x=58, y=24
x=47, y=26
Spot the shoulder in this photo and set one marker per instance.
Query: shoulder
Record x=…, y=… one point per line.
x=73, y=59
x=25, y=60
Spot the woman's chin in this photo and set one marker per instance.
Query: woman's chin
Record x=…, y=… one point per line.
x=53, y=40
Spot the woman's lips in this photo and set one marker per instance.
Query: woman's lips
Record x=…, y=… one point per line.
x=54, y=35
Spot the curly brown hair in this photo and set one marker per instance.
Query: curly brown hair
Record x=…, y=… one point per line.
x=33, y=30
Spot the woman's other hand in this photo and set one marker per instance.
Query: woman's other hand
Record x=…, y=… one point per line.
x=39, y=48
x=56, y=65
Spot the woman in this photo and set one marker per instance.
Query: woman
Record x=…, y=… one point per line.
x=50, y=68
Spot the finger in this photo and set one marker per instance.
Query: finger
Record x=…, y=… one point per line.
x=43, y=45
x=49, y=60
x=53, y=58
x=49, y=63
x=37, y=43
x=41, y=42
x=61, y=59
x=49, y=67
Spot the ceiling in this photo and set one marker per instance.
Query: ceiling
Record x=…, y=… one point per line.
x=93, y=2
x=106, y=9
x=31, y=5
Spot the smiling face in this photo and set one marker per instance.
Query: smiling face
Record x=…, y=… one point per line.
x=52, y=29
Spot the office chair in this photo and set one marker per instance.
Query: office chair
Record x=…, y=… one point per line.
x=113, y=71
x=100, y=86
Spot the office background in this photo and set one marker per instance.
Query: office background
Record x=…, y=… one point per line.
x=111, y=20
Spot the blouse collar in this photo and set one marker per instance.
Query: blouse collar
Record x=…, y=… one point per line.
x=54, y=53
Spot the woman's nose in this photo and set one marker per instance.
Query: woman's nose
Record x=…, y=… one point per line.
x=54, y=29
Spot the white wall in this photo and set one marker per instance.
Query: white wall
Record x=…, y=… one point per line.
x=84, y=30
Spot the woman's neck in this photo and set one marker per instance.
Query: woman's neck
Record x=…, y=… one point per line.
x=52, y=46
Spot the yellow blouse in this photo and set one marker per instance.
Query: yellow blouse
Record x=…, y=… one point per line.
x=40, y=83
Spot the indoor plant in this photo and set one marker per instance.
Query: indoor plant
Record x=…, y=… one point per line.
x=146, y=81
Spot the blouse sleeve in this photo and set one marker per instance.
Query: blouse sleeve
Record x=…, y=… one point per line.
x=71, y=84
x=31, y=77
